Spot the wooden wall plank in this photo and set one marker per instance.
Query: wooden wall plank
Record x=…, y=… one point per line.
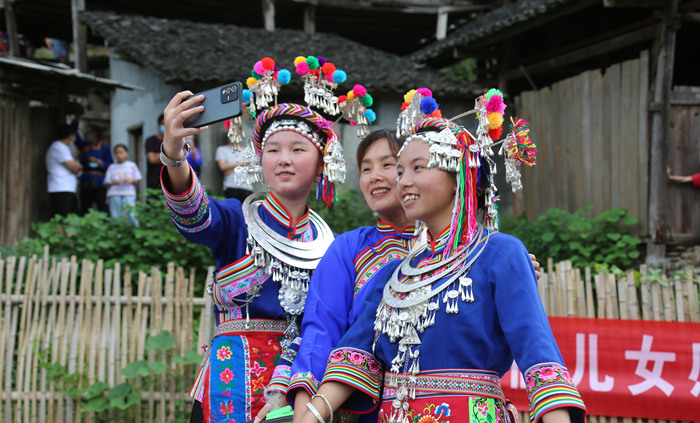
x=595, y=144
x=574, y=141
x=587, y=160
x=626, y=159
x=643, y=144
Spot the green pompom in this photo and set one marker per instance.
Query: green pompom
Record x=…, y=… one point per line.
x=493, y=91
x=313, y=63
x=255, y=74
x=366, y=100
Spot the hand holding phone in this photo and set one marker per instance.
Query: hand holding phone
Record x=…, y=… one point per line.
x=220, y=103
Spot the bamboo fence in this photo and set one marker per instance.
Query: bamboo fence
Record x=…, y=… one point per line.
x=569, y=292
x=89, y=320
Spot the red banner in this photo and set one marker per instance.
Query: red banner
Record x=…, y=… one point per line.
x=627, y=368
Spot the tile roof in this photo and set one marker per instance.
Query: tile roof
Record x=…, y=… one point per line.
x=211, y=54
x=491, y=23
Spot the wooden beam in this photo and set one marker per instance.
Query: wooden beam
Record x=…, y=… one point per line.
x=691, y=17
x=647, y=4
x=685, y=98
x=268, y=7
x=11, y=26
x=592, y=50
x=310, y=19
x=658, y=184
x=429, y=8
x=79, y=36
x=441, y=31
x=523, y=27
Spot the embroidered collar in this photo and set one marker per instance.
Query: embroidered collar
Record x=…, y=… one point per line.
x=387, y=228
x=281, y=215
x=437, y=244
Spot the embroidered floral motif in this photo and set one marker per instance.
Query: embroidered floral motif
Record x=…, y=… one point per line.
x=547, y=374
x=356, y=358
x=224, y=353
x=226, y=409
x=549, y=384
x=226, y=376
x=443, y=410
x=257, y=369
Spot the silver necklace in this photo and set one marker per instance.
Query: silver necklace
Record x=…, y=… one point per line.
x=287, y=261
x=408, y=308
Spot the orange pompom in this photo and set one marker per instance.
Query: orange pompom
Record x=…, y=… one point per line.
x=268, y=63
x=496, y=133
x=437, y=114
x=342, y=98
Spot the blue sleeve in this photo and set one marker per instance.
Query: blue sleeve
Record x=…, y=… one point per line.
x=353, y=362
x=326, y=314
x=218, y=225
x=526, y=329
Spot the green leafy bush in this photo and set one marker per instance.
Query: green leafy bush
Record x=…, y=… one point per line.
x=119, y=403
x=97, y=236
x=586, y=241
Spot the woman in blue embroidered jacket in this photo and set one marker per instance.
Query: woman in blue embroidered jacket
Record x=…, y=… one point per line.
x=355, y=258
x=345, y=273
x=264, y=250
x=453, y=315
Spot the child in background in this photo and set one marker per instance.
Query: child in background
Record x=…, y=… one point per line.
x=121, y=180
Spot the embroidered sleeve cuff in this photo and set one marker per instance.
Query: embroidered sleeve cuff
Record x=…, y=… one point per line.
x=283, y=370
x=189, y=210
x=360, y=370
x=549, y=387
x=305, y=381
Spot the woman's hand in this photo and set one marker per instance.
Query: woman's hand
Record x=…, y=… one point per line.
x=274, y=401
x=179, y=109
x=536, y=264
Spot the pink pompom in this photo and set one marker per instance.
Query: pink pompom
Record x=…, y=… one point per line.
x=495, y=104
x=302, y=68
x=328, y=77
x=359, y=90
x=425, y=92
x=259, y=68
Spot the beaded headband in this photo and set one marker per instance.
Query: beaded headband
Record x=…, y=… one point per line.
x=454, y=149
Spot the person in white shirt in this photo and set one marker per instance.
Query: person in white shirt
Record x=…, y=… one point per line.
x=228, y=160
x=121, y=180
x=61, y=180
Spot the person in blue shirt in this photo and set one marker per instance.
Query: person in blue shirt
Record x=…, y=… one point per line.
x=265, y=248
x=441, y=326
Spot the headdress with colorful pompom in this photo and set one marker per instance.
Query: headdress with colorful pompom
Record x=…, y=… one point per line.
x=265, y=81
x=354, y=107
x=417, y=104
x=321, y=77
x=454, y=149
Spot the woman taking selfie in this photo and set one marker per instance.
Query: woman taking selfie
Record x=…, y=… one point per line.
x=265, y=248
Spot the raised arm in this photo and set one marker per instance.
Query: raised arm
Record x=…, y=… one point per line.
x=179, y=178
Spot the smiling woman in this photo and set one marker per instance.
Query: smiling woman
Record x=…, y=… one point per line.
x=265, y=249
x=463, y=283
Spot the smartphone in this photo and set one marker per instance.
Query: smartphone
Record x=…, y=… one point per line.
x=220, y=103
